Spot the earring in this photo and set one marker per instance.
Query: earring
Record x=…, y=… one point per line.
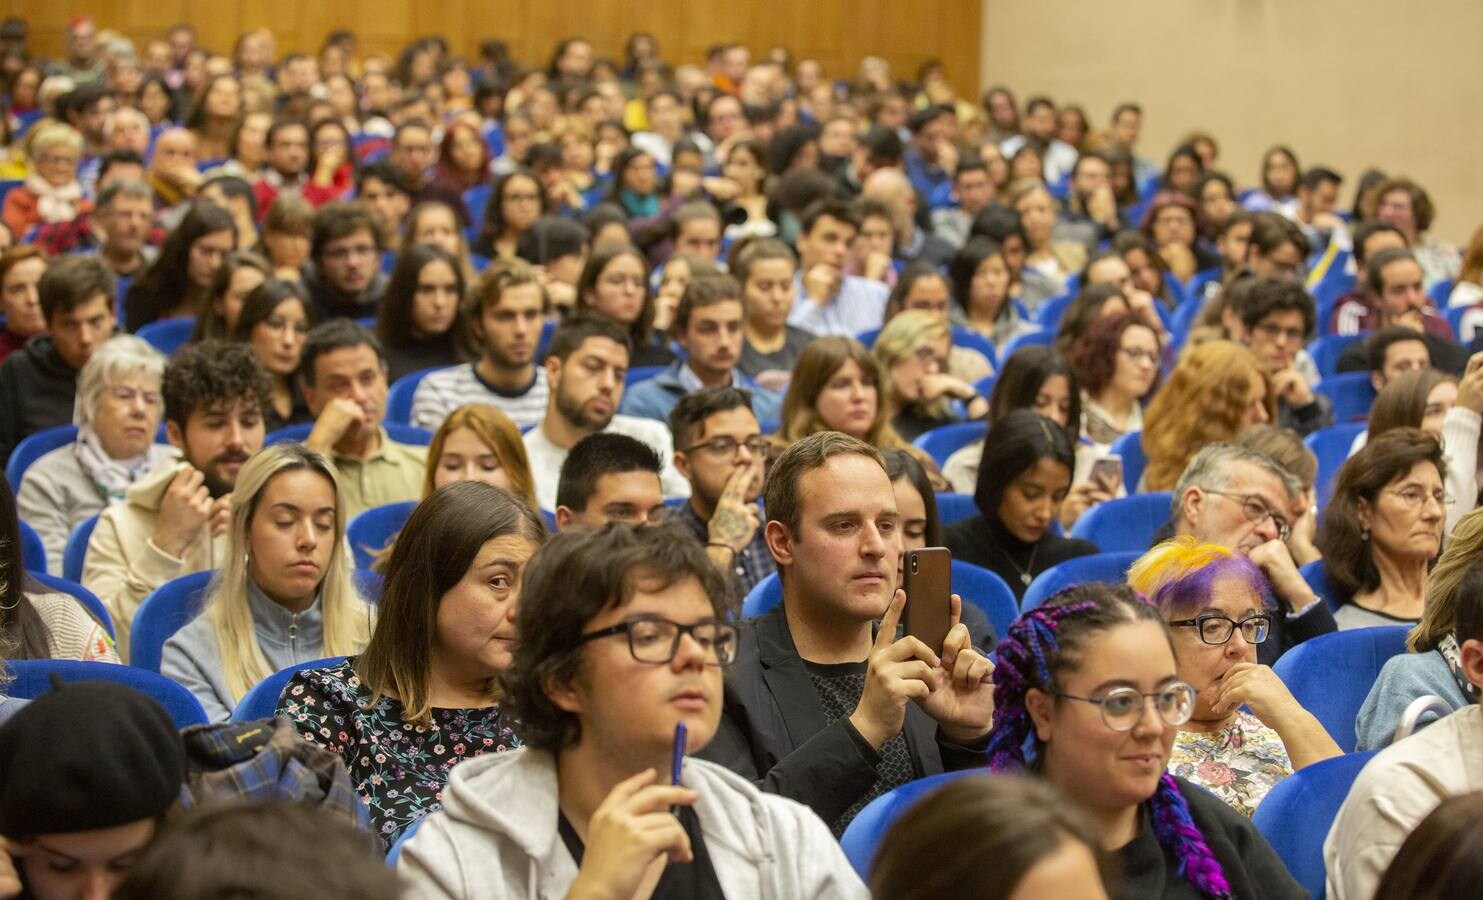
x=1365, y=535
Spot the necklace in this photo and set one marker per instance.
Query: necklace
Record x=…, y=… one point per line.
x=1025, y=576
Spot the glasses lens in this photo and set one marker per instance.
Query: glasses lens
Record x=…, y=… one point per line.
x=1255, y=629
x=652, y=640
x=1176, y=703
x=1122, y=708
x=719, y=639
x=1214, y=629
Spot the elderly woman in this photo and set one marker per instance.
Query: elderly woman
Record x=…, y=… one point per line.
x=912, y=351
x=118, y=411
x=1383, y=527
x=51, y=192
x=1247, y=732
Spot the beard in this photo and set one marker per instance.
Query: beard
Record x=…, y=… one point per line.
x=574, y=410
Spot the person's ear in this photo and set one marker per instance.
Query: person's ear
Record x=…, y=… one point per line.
x=1040, y=705
x=475, y=318
x=562, y=694
x=1363, y=513
x=1232, y=324
x=1377, y=381
x=565, y=518
x=1191, y=505
x=682, y=465
x=779, y=542
x=1472, y=660
x=553, y=372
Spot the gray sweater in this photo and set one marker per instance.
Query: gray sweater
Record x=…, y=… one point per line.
x=56, y=496
x=1403, y=679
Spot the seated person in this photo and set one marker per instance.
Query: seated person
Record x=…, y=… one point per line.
x=622, y=638
x=1275, y=316
x=479, y=443
x=913, y=351
x=284, y=594
x=52, y=192
x=1286, y=447
x=174, y=521
x=982, y=280
x=274, y=321
x=178, y=284
x=1216, y=390
x=420, y=321
x=1073, y=684
x=1432, y=665
x=1214, y=601
x=1444, y=408
x=240, y=272
x=21, y=267
x=609, y=478
x=722, y=453
x=924, y=287
x=615, y=286
x=1394, y=276
x=1023, y=479
x=820, y=708
x=118, y=413
x=1360, y=304
x=1406, y=780
x=504, y=311
x=1383, y=527
x=444, y=634
x=770, y=346
x=344, y=272
x=342, y=373
x=78, y=743
x=826, y=301
x=708, y=326
x=1117, y=363
x=38, y=383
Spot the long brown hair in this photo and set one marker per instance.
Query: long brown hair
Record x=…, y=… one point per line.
x=818, y=362
x=1402, y=402
x=1203, y=402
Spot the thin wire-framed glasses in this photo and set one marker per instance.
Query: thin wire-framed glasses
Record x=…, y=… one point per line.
x=1122, y=708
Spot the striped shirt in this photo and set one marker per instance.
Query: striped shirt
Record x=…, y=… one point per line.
x=445, y=390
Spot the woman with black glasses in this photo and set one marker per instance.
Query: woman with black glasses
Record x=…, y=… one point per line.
x=1214, y=601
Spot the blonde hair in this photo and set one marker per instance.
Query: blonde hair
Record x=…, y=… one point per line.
x=1439, y=614
x=1204, y=401
x=54, y=133
x=907, y=332
x=499, y=434
x=347, y=619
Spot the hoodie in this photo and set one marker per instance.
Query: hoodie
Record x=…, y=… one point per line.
x=37, y=390
x=496, y=837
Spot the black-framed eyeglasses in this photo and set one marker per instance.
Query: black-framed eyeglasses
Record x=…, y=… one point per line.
x=655, y=639
x=1122, y=708
x=1214, y=628
x=1257, y=511
x=724, y=445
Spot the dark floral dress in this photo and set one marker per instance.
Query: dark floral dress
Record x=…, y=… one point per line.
x=398, y=767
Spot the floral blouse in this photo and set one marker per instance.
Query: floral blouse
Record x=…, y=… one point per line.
x=398, y=767
x=1238, y=764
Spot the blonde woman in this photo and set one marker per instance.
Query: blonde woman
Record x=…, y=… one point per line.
x=912, y=352
x=285, y=595
x=51, y=193
x=1038, y=212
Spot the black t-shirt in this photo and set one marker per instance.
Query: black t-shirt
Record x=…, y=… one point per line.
x=839, y=686
x=680, y=881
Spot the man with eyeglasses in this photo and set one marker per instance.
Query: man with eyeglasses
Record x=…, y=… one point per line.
x=344, y=274
x=1273, y=317
x=1237, y=497
x=721, y=450
x=609, y=478
x=623, y=640
x=824, y=706
x=708, y=326
x=413, y=151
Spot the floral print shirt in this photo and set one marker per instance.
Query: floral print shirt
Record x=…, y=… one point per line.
x=399, y=768
x=1238, y=763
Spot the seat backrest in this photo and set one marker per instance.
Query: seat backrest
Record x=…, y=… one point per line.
x=1130, y=448
x=372, y=531
x=262, y=698
x=641, y=373
x=1326, y=351
x=33, y=447
x=1098, y=567
x=955, y=507
x=33, y=551
x=945, y=440
x=82, y=595
x=988, y=592
x=402, y=434
x=763, y=596
x=1042, y=338
x=32, y=678
x=1318, y=580
x=1331, y=446
x=865, y=832
x=168, y=335
x=1352, y=393
x=1124, y=523
x=1308, y=671
x=1048, y=313
x=399, y=395
x=868, y=337
x=165, y=610
x=969, y=339
x=76, y=551
x=1296, y=815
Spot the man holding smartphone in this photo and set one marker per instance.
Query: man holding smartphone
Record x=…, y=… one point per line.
x=822, y=706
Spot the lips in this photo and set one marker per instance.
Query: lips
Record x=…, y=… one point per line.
x=692, y=699
x=305, y=565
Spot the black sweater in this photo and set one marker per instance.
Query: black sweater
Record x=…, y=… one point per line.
x=984, y=541
x=37, y=389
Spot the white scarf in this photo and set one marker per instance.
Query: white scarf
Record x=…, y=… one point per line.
x=55, y=204
x=113, y=476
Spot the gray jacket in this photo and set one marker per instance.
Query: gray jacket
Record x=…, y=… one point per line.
x=56, y=496
x=192, y=657
x=496, y=837
x=1402, y=679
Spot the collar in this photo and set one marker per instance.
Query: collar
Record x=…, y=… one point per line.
x=378, y=453
x=273, y=620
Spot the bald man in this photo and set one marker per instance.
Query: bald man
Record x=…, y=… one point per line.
x=891, y=187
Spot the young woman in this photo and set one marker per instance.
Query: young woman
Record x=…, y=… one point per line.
x=770, y=346
x=1149, y=269
x=1091, y=684
x=923, y=286
x=215, y=116
x=331, y=163
x=1215, y=391
x=1117, y=363
x=1183, y=170
x=1038, y=211
x=1023, y=478
x=239, y=275
x=157, y=101
x=912, y=351
x=1246, y=732
x=285, y=593
x=463, y=157
x=981, y=278
x=286, y=232
x=746, y=213
x=1091, y=304
x=275, y=320
x=615, y=285
x=1406, y=205
x=418, y=320
x=635, y=184
x=836, y=387
x=1280, y=173
x=21, y=267
x=179, y=282
x=478, y=442
x=1170, y=222
x=424, y=694
x=434, y=222
x=676, y=273
x=51, y=193
x=516, y=200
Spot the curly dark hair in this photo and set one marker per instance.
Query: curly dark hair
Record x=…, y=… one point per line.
x=209, y=374
x=1094, y=355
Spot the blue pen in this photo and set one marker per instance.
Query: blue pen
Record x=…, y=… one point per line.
x=677, y=760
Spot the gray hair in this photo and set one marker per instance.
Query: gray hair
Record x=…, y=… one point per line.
x=123, y=111
x=126, y=187
x=119, y=357
x=1210, y=469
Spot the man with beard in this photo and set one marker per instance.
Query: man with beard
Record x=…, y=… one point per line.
x=585, y=367
x=343, y=276
x=174, y=521
x=505, y=311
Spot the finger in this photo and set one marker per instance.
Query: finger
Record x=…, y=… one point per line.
x=968, y=669
x=910, y=647
x=887, y=634
x=910, y=670
x=628, y=787
x=957, y=641
x=736, y=483
x=655, y=798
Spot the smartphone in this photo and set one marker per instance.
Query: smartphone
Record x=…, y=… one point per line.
x=1108, y=472
x=928, y=579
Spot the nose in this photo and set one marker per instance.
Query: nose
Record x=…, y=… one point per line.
x=1149, y=724
x=307, y=536
x=689, y=654
x=1237, y=646
x=873, y=544
x=236, y=436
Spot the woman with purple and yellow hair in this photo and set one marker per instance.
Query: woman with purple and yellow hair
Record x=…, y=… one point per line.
x=1216, y=603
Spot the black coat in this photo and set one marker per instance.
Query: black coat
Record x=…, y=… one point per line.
x=772, y=729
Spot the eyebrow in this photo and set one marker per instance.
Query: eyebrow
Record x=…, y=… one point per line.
x=1112, y=683
x=294, y=507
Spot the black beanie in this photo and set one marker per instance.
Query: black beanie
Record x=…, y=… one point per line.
x=87, y=755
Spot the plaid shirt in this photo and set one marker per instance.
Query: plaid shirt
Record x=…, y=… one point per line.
x=752, y=564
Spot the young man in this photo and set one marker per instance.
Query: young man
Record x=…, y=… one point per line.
x=505, y=310
x=387, y=191
x=719, y=447
x=708, y=326
x=609, y=478
x=1232, y=236
x=39, y=381
x=826, y=300
x=972, y=190
x=342, y=371
x=930, y=158
x=1395, y=278
x=623, y=639
x=1091, y=215
x=413, y=151
x=1039, y=124
x=173, y=521
x=823, y=707
x=557, y=247
x=891, y=187
x=285, y=162
x=697, y=232
x=1275, y=317
x=1277, y=248
x=344, y=277
x=1360, y=303
x=585, y=367
x=1318, y=195
x=1395, y=350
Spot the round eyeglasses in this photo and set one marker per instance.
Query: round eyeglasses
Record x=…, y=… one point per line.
x=655, y=639
x=1122, y=708
x=1217, y=629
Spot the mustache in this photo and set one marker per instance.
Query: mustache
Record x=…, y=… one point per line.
x=231, y=456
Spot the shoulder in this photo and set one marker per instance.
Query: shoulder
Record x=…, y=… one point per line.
x=1064, y=548
x=650, y=430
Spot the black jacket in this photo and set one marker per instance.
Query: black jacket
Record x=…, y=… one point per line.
x=37, y=389
x=772, y=729
x=330, y=303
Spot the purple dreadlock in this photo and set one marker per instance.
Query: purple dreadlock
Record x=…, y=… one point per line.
x=1030, y=655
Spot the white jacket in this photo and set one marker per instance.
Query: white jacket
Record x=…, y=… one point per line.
x=496, y=837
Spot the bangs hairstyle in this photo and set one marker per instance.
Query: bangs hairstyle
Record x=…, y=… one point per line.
x=1021, y=378
x=432, y=554
x=119, y=357
x=1095, y=354
x=1203, y=402
x=815, y=366
x=498, y=433
x=1178, y=575
x=577, y=576
x=905, y=334
x=598, y=262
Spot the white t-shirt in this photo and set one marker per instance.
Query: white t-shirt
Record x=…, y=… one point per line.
x=546, y=458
